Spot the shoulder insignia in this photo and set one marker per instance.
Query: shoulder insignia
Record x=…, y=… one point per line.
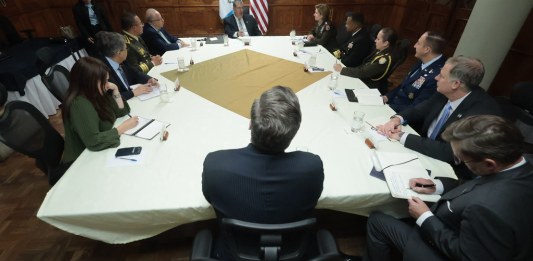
x=411, y=95
x=382, y=60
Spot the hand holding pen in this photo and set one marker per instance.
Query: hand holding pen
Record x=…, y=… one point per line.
x=422, y=186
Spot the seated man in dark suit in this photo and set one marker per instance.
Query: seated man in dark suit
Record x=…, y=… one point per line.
x=458, y=95
x=354, y=51
x=156, y=37
x=420, y=84
x=240, y=24
x=138, y=55
x=482, y=219
x=90, y=19
x=261, y=182
x=113, y=47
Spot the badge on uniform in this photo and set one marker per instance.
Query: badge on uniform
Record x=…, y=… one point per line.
x=141, y=51
x=418, y=83
x=411, y=95
x=350, y=45
x=382, y=60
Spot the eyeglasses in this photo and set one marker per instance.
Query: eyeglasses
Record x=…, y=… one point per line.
x=458, y=161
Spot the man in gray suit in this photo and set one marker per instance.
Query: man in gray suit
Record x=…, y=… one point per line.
x=482, y=219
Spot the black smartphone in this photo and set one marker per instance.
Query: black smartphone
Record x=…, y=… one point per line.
x=128, y=151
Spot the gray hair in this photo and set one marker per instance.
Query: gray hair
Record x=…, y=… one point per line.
x=237, y=2
x=149, y=15
x=469, y=71
x=110, y=43
x=275, y=119
x=486, y=137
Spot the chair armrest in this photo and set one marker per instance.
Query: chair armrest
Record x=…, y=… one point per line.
x=202, y=246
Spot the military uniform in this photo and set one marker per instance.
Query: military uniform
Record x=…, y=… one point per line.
x=138, y=55
x=419, y=85
x=325, y=35
x=354, y=51
x=374, y=72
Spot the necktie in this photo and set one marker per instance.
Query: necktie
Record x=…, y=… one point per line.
x=441, y=121
x=163, y=36
x=123, y=76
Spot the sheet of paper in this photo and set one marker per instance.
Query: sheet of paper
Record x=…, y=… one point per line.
x=375, y=136
x=369, y=99
x=143, y=97
x=142, y=122
x=398, y=182
x=213, y=38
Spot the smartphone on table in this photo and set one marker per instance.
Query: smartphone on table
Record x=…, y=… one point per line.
x=128, y=151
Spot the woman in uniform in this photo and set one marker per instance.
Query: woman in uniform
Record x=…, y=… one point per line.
x=324, y=32
x=374, y=71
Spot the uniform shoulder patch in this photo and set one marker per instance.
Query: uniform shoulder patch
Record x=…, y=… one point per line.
x=382, y=60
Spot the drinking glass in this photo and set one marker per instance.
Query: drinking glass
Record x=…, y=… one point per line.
x=181, y=63
x=164, y=93
x=226, y=40
x=193, y=44
x=312, y=60
x=332, y=85
x=358, y=121
x=293, y=34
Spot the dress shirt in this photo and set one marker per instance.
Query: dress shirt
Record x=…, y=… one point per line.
x=163, y=36
x=425, y=65
x=92, y=15
x=115, y=66
x=242, y=26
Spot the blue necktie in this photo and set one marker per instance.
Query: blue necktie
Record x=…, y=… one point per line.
x=441, y=121
x=163, y=36
x=123, y=76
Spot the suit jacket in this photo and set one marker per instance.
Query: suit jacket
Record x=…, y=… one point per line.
x=483, y=219
x=156, y=44
x=231, y=27
x=249, y=185
x=325, y=34
x=356, y=49
x=81, y=15
x=138, y=55
x=478, y=102
x=133, y=76
x=374, y=71
x=419, y=85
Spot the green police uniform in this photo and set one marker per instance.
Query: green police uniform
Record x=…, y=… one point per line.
x=375, y=71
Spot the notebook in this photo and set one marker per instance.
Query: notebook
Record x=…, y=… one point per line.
x=147, y=128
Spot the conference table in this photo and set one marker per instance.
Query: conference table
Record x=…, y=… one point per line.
x=115, y=201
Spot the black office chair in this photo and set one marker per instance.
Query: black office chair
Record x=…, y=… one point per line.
x=374, y=30
x=24, y=129
x=257, y=242
x=518, y=108
x=57, y=81
x=398, y=58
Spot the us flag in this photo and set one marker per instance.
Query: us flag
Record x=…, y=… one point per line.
x=259, y=9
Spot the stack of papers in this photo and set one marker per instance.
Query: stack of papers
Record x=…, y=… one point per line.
x=146, y=96
x=365, y=96
x=398, y=175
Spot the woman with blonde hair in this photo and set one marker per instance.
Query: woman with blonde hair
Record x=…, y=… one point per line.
x=324, y=32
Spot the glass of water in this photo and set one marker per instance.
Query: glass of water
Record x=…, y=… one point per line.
x=293, y=34
x=226, y=40
x=358, y=121
x=164, y=93
x=332, y=85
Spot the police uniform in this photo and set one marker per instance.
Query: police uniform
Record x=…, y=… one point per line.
x=374, y=72
x=325, y=34
x=138, y=55
x=418, y=85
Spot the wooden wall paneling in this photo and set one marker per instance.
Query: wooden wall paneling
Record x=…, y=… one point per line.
x=48, y=29
x=199, y=21
x=117, y=8
x=397, y=14
x=415, y=22
x=283, y=19
x=456, y=26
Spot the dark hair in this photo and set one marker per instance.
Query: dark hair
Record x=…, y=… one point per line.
x=390, y=36
x=435, y=41
x=486, y=137
x=323, y=9
x=469, y=71
x=127, y=20
x=357, y=18
x=110, y=43
x=3, y=95
x=237, y=2
x=87, y=77
x=275, y=119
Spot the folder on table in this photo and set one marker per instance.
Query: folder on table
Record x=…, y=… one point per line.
x=147, y=128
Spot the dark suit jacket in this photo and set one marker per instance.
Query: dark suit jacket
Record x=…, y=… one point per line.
x=325, y=35
x=361, y=47
x=133, y=76
x=230, y=25
x=418, y=86
x=81, y=15
x=249, y=185
x=156, y=44
x=478, y=102
x=483, y=219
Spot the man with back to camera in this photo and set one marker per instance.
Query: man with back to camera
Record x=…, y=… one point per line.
x=420, y=83
x=354, y=51
x=458, y=96
x=482, y=219
x=240, y=24
x=262, y=183
x=156, y=37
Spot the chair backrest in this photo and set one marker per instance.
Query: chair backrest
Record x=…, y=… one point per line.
x=26, y=130
x=374, y=30
x=400, y=54
x=57, y=81
x=45, y=58
x=253, y=241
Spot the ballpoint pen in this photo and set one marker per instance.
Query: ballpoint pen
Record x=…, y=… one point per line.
x=420, y=185
x=127, y=159
x=375, y=129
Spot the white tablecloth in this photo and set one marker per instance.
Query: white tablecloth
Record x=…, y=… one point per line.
x=120, y=204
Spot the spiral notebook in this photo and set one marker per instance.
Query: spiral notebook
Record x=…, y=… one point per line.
x=147, y=128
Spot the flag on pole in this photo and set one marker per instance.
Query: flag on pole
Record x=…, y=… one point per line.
x=225, y=8
x=259, y=9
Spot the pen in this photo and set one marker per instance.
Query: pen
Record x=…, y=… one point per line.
x=420, y=185
x=127, y=159
x=129, y=115
x=375, y=129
